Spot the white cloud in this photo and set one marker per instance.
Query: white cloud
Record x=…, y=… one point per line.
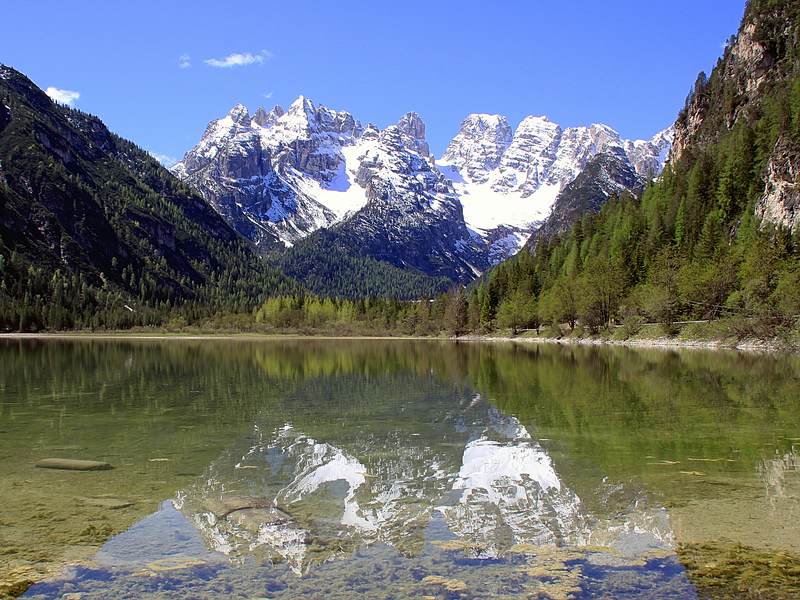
x=164, y=159
x=239, y=59
x=268, y=95
x=62, y=96
x=184, y=61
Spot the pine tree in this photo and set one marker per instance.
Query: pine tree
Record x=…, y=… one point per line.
x=455, y=316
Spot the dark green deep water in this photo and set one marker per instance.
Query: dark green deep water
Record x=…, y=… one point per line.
x=394, y=469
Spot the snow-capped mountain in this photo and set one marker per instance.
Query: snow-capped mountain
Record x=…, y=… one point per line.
x=278, y=176
x=508, y=184
x=479, y=145
x=648, y=157
x=412, y=216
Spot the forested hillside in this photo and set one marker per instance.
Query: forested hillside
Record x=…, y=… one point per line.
x=715, y=236
x=94, y=232
x=328, y=265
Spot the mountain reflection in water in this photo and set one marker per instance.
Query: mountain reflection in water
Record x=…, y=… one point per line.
x=282, y=492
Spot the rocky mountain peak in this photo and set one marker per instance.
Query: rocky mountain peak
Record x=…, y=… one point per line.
x=412, y=129
x=479, y=145
x=279, y=176
x=239, y=114
x=371, y=132
x=486, y=127
x=301, y=104
x=536, y=131
x=304, y=116
x=649, y=156
x=603, y=136
x=508, y=183
x=663, y=139
x=535, y=121
x=262, y=118
x=301, y=114
x=392, y=137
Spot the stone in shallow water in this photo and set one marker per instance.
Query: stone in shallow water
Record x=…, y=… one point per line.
x=108, y=502
x=16, y=581
x=70, y=464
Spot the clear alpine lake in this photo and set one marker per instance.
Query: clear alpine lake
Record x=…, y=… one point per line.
x=257, y=468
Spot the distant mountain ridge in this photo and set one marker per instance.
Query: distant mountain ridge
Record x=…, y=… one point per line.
x=279, y=176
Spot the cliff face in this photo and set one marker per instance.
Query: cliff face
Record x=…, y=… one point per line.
x=780, y=203
x=761, y=61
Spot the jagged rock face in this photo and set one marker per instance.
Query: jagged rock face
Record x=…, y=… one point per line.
x=507, y=188
x=526, y=162
x=541, y=152
x=605, y=175
x=745, y=66
x=264, y=173
x=780, y=204
x=412, y=132
x=577, y=146
x=412, y=216
x=265, y=119
x=648, y=157
x=277, y=177
x=479, y=145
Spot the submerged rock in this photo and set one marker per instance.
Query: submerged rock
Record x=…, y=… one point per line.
x=108, y=502
x=15, y=582
x=70, y=464
x=451, y=585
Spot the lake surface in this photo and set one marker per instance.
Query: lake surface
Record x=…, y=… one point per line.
x=395, y=469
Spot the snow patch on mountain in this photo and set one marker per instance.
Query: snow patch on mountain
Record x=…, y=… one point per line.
x=342, y=195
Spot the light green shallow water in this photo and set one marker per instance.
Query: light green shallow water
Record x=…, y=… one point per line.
x=392, y=469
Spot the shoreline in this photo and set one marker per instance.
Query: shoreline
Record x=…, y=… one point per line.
x=666, y=343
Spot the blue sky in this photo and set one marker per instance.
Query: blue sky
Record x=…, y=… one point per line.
x=625, y=63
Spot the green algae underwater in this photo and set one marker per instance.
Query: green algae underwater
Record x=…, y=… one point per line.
x=397, y=468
